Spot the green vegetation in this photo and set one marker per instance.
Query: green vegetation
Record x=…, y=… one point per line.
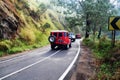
x=37, y=20
x=91, y=17
x=18, y=45
x=107, y=58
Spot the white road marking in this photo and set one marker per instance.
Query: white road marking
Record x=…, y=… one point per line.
x=28, y=66
x=18, y=57
x=71, y=65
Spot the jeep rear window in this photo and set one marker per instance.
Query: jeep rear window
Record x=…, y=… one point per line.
x=60, y=34
x=55, y=34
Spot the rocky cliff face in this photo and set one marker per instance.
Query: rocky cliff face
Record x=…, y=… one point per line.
x=26, y=24
x=9, y=20
x=18, y=16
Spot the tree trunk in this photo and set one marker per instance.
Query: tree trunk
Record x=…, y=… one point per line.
x=86, y=34
x=99, y=34
x=94, y=31
x=87, y=27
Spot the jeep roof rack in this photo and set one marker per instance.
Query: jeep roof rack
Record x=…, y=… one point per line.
x=59, y=31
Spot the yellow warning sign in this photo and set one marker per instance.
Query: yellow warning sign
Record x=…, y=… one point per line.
x=114, y=23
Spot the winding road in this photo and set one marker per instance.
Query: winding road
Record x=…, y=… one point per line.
x=39, y=64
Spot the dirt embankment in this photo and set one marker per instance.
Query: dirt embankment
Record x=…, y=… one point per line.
x=85, y=67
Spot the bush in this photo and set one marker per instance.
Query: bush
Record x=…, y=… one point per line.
x=106, y=72
x=15, y=49
x=104, y=44
x=1, y=53
x=28, y=35
x=5, y=45
x=17, y=43
x=36, y=46
x=118, y=44
x=106, y=55
x=102, y=55
x=88, y=42
x=45, y=26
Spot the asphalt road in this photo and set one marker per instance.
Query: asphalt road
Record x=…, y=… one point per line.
x=38, y=64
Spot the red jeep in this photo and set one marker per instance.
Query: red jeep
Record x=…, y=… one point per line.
x=59, y=38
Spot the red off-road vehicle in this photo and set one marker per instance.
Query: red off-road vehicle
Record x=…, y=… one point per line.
x=59, y=38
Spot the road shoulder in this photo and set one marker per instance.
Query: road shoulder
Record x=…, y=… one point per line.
x=85, y=67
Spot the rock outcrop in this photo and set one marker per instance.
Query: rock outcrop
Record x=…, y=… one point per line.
x=9, y=20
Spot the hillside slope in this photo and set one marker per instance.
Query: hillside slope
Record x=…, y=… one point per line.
x=9, y=19
x=25, y=24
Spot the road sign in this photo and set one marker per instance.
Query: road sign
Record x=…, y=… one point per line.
x=114, y=23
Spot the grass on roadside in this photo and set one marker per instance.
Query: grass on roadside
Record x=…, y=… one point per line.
x=17, y=45
x=105, y=54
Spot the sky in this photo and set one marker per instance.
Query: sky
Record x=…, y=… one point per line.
x=47, y=1
x=113, y=1
x=44, y=1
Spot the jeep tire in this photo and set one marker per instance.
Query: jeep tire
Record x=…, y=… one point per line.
x=70, y=45
x=67, y=46
x=52, y=39
x=52, y=47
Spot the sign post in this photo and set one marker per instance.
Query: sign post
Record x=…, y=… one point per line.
x=113, y=38
x=114, y=24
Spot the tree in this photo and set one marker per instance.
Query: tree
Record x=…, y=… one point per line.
x=71, y=10
x=45, y=26
x=36, y=14
x=42, y=8
x=94, y=13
